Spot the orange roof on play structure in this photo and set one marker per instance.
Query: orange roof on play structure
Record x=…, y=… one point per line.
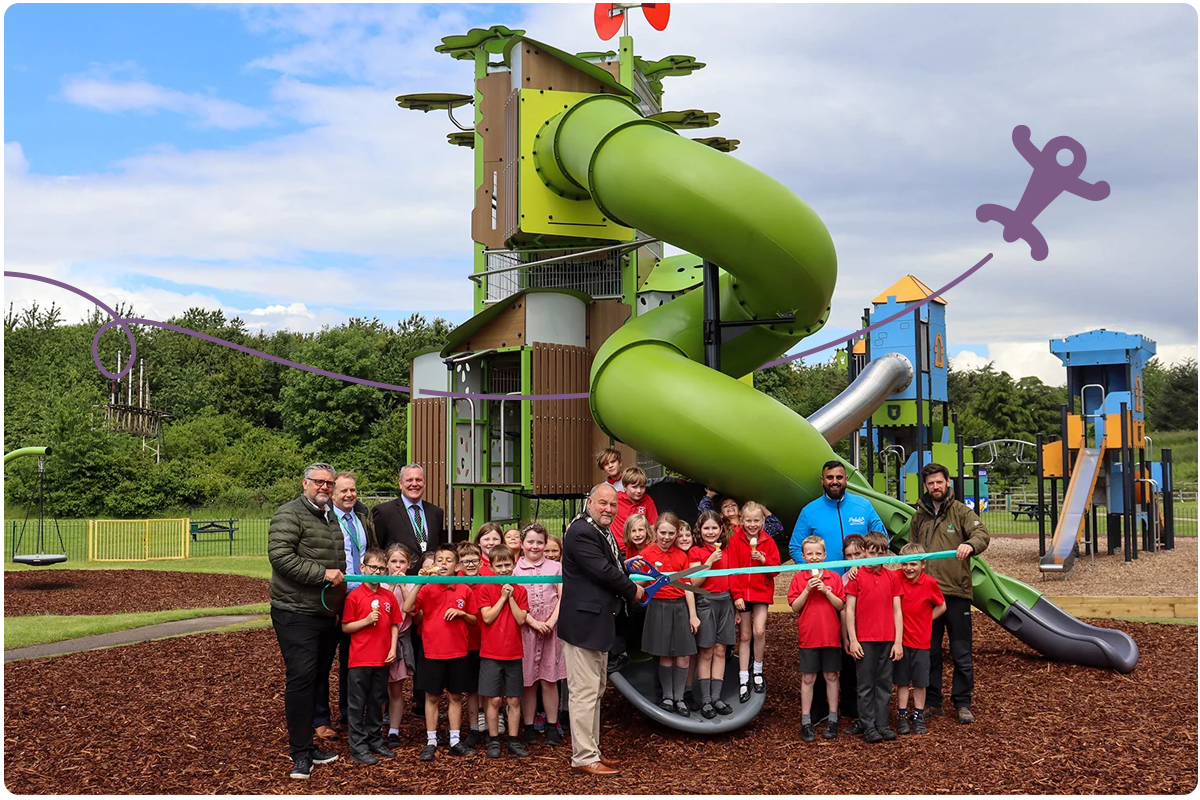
x=908, y=289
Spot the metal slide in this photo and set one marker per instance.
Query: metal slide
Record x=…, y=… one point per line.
x=649, y=384
x=1076, y=505
x=845, y=414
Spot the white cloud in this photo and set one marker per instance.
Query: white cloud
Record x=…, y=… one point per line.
x=298, y=309
x=97, y=90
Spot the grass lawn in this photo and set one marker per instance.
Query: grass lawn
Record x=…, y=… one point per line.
x=46, y=628
x=251, y=566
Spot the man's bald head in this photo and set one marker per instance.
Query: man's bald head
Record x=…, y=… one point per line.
x=602, y=503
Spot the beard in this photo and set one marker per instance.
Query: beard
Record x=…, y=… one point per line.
x=835, y=493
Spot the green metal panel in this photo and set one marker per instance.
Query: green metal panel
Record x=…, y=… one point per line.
x=626, y=62
x=896, y=414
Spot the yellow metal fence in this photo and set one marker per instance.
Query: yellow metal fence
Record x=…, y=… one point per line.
x=137, y=539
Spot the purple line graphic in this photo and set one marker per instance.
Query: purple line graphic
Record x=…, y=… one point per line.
x=116, y=320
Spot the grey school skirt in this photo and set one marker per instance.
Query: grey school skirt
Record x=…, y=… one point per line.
x=667, y=631
x=716, y=620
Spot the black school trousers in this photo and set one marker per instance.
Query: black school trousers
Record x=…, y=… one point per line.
x=308, y=643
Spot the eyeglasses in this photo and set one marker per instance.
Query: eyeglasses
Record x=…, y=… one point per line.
x=469, y=562
x=373, y=568
x=319, y=482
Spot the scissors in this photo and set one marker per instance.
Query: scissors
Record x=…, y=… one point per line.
x=661, y=580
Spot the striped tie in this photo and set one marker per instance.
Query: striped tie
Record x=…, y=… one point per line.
x=418, y=525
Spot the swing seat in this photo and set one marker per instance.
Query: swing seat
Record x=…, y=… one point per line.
x=39, y=559
x=636, y=681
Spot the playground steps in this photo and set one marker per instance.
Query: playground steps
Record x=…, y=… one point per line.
x=1163, y=607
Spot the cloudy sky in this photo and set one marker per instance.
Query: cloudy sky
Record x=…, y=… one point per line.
x=252, y=158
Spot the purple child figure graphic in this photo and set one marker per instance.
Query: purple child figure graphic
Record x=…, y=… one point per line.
x=1048, y=181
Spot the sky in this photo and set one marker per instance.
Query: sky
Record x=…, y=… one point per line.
x=252, y=158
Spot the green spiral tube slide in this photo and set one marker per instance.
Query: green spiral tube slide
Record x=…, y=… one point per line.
x=649, y=385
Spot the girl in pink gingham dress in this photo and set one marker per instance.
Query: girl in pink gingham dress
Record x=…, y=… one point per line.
x=543, y=659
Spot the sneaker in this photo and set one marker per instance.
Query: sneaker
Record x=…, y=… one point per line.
x=493, y=747
x=539, y=722
x=472, y=740
x=887, y=733
x=723, y=708
x=562, y=731
x=517, y=749
x=553, y=736
x=615, y=664
x=857, y=728
x=301, y=769
x=381, y=751
x=393, y=740
x=744, y=691
x=319, y=756
x=965, y=717
x=807, y=733
x=918, y=725
x=760, y=684
x=530, y=735
x=935, y=710
x=460, y=750
x=830, y=731
x=682, y=709
x=428, y=752
x=873, y=736
x=366, y=759
x=707, y=711
x=902, y=726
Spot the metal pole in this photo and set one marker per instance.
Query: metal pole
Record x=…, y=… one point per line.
x=978, y=510
x=712, y=316
x=1066, y=448
x=1127, y=487
x=866, y=320
x=960, y=489
x=1147, y=490
x=918, y=370
x=1168, y=500
x=1053, y=504
x=1041, y=499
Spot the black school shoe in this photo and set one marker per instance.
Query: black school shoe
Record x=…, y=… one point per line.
x=530, y=735
x=460, y=749
x=856, y=728
x=493, y=747
x=872, y=736
x=320, y=756
x=381, y=751
x=472, y=740
x=301, y=769
x=830, y=731
x=553, y=737
x=807, y=733
x=744, y=691
x=902, y=726
x=760, y=683
x=365, y=759
x=887, y=734
x=517, y=749
x=428, y=752
x=708, y=711
x=681, y=708
x=723, y=708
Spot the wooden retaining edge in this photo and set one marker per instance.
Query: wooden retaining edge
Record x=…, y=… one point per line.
x=1165, y=607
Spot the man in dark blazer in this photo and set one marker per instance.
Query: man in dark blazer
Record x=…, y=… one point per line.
x=420, y=527
x=594, y=586
x=409, y=520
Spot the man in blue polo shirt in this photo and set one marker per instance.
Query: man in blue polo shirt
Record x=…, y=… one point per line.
x=834, y=516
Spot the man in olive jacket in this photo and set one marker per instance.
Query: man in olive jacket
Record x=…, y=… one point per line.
x=944, y=523
x=304, y=545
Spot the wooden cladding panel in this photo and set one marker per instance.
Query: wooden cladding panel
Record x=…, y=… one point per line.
x=493, y=91
x=603, y=319
x=509, y=205
x=506, y=330
x=544, y=71
x=429, y=450
x=481, y=215
x=562, y=438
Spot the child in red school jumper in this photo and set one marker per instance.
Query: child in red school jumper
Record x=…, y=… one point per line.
x=609, y=461
x=752, y=593
x=671, y=621
x=635, y=534
x=502, y=611
x=470, y=560
x=875, y=627
x=718, y=631
x=446, y=611
x=818, y=595
x=488, y=536
x=372, y=619
x=921, y=604
x=634, y=500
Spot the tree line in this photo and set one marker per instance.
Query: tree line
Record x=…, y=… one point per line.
x=242, y=428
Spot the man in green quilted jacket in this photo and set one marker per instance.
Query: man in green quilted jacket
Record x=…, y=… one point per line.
x=304, y=545
x=944, y=523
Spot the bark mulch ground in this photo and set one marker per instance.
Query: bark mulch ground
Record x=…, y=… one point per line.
x=105, y=591
x=204, y=714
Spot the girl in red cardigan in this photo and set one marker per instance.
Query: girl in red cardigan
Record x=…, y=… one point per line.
x=752, y=594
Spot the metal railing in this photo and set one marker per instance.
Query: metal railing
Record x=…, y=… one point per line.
x=595, y=271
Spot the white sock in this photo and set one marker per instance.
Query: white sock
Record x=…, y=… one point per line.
x=744, y=677
x=430, y=737
x=454, y=735
x=393, y=731
x=482, y=721
x=758, y=666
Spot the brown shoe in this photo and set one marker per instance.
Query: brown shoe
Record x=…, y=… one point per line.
x=596, y=768
x=327, y=733
x=610, y=762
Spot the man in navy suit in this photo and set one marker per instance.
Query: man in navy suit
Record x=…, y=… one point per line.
x=594, y=586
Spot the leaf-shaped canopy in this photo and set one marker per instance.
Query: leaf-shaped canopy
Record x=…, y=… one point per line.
x=720, y=143
x=462, y=138
x=433, y=101
x=463, y=46
x=688, y=119
x=669, y=65
x=596, y=55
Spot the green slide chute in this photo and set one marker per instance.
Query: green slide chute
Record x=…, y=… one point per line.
x=649, y=384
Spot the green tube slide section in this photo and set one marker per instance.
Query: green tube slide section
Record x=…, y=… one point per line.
x=26, y=451
x=649, y=385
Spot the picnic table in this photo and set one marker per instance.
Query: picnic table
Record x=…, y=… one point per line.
x=1032, y=510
